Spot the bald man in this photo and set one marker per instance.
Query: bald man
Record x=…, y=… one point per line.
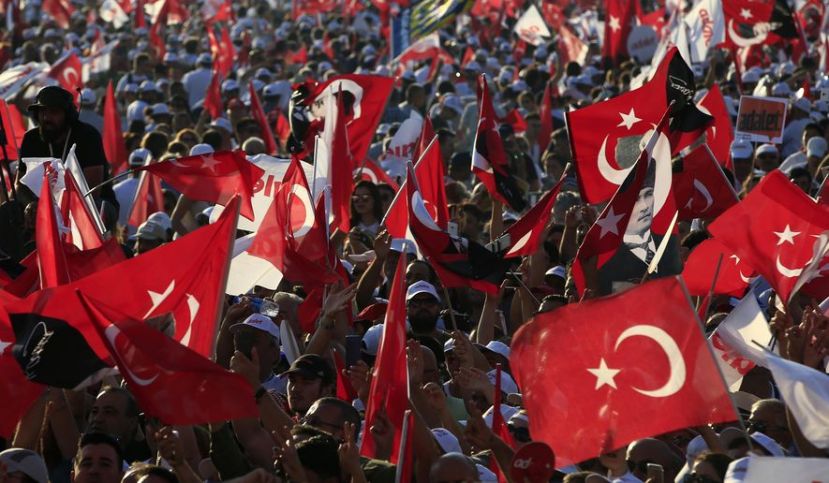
x=768, y=416
x=650, y=450
x=453, y=468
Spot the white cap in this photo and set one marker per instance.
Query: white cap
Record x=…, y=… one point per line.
x=473, y=65
x=88, y=96
x=452, y=101
x=371, y=339
x=139, y=157
x=170, y=57
x=230, y=85
x=803, y=104
x=447, y=441
x=768, y=444
x=485, y=475
x=25, y=461
x=263, y=72
x=498, y=347
x=751, y=77
x=507, y=412
x=204, y=59
x=148, y=86
x=259, y=322
x=741, y=149
x=507, y=384
x=816, y=147
x=131, y=87
x=162, y=219
x=737, y=470
x=160, y=108
x=150, y=230
x=696, y=446
x=767, y=149
x=557, y=271
x=200, y=149
x=222, y=123
x=420, y=287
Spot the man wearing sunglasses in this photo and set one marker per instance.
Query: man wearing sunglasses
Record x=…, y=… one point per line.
x=768, y=416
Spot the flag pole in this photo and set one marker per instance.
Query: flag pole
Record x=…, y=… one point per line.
x=115, y=178
x=448, y=303
x=704, y=312
x=524, y=286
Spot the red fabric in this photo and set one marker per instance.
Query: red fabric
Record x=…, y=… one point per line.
x=570, y=46
x=282, y=128
x=60, y=11
x=76, y=215
x=215, y=177
x=216, y=11
x=82, y=263
x=720, y=134
x=11, y=133
x=67, y=71
x=150, y=285
x=345, y=391
x=617, y=27
x=342, y=182
x=148, y=199
x=18, y=392
x=598, y=130
x=114, y=146
x=773, y=229
x=370, y=171
x=312, y=7
x=309, y=310
x=213, y=97
x=499, y=426
x=516, y=120
x=50, y=255
x=468, y=56
x=18, y=123
x=701, y=189
x=701, y=264
x=169, y=381
x=660, y=375
x=259, y=114
x=140, y=21
x=526, y=233
x=390, y=382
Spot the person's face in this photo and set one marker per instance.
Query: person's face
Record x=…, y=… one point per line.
x=302, y=392
x=469, y=224
x=705, y=470
x=640, y=220
x=52, y=122
x=767, y=162
x=520, y=430
x=416, y=272
x=742, y=168
x=143, y=245
x=533, y=127
x=804, y=183
x=325, y=417
x=431, y=373
x=109, y=415
x=97, y=463
x=268, y=351
x=453, y=363
x=423, y=311
x=362, y=201
x=770, y=421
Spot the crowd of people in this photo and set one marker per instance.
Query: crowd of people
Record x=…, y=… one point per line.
x=311, y=387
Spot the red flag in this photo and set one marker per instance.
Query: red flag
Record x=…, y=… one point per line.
x=701, y=264
x=468, y=56
x=169, y=381
x=60, y=11
x=18, y=392
x=50, y=256
x=213, y=97
x=700, y=188
x=390, y=382
x=216, y=11
x=742, y=16
x=67, y=71
x=282, y=128
x=593, y=388
x=345, y=391
x=215, y=177
x=114, y=145
x=525, y=234
x=222, y=50
x=489, y=160
x=405, y=464
x=720, y=134
x=632, y=224
x=618, y=22
x=774, y=230
x=259, y=115
x=370, y=171
x=499, y=426
x=604, y=159
x=9, y=148
x=342, y=183
x=77, y=216
x=516, y=120
x=189, y=290
x=81, y=263
x=823, y=192
x=312, y=7
x=148, y=199
x=546, y=115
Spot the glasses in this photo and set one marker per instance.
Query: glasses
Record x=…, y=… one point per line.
x=360, y=197
x=421, y=302
x=318, y=423
x=522, y=435
x=755, y=426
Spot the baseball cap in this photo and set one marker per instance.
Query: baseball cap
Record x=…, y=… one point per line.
x=507, y=412
x=803, y=104
x=767, y=444
x=420, y=287
x=270, y=90
x=508, y=385
x=230, y=85
x=27, y=462
x=88, y=96
x=557, y=271
x=371, y=339
x=148, y=86
x=446, y=440
x=781, y=89
x=139, y=157
x=766, y=149
x=816, y=147
x=497, y=347
x=473, y=66
x=160, y=108
x=162, y=219
x=263, y=72
x=741, y=149
x=312, y=366
x=200, y=149
x=453, y=102
x=204, y=59
x=222, y=123
x=150, y=230
x=258, y=322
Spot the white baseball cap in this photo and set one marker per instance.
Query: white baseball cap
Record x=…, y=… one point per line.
x=259, y=322
x=816, y=147
x=767, y=149
x=27, y=462
x=452, y=101
x=420, y=287
x=222, y=123
x=498, y=347
x=741, y=149
x=447, y=441
x=508, y=385
x=507, y=412
x=371, y=339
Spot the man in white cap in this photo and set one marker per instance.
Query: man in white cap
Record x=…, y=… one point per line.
x=766, y=158
x=149, y=235
x=798, y=158
x=741, y=158
x=258, y=339
x=795, y=124
x=196, y=81
x=125, y=189
x=24, y=466
x=423, y=310
x=87, y=112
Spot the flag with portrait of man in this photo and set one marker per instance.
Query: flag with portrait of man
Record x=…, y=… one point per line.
x=421, y=18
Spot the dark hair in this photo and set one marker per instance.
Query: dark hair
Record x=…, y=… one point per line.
x=100, y=438
x=213, y=138
x=319, y=454
x=798, y=172
x=160, y=472
x=155, y=142
x=347, y=412
x=131, y=409
x=694, y=238
x=377, y=208
x=718, y=461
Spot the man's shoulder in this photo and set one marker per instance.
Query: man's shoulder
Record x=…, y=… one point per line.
x=81, y=128
x=378, y=471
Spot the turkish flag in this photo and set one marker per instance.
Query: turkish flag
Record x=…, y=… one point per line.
x=216, y=11
x=625, y=238
x=259, y=114
x=214, y=177
x=169, y=381
x=83, y=229
x=525, y=234
x=617, y=27
x=114, y=146
x=60, y=11
x=50, y=256
x=213, y=97
x=67, y=71
x=774, y=229
x=341, y=167
x=645, y=370
x=489, y=160
x=701, y=264
x=499, y=426
x=720, y=134
x=187, y=293
x=458, y=262
x=390, y=383
x=17, y=392
x=148, y=199
x=282, y=128
x=11, y=143
x=222, y=50
x=81, y=263
x=750, y=23
x=700, y=188
x=823, y=192
x=603, y=161
x=371, y=171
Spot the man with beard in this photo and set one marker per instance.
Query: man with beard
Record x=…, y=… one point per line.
x=423, y=311
x=58, y=128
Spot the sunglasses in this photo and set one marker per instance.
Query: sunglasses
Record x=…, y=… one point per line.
x=360, y=197
x=761, y=427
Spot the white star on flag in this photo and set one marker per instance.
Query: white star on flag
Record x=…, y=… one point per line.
x=604, y=375
x=786, y=236
x=610, y=223
x=614, y=24
x=745, y=13
x=209, y=162
x=629, y=119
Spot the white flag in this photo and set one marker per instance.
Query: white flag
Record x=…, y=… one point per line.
x=247, y=271
x=706, y=28
x=768, y=469
x=531, y=27
x=111, y=12
x=806, y=393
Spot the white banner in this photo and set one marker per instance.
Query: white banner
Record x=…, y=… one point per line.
x=531, y=27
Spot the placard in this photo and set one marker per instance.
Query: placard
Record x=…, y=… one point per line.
x=761, y=119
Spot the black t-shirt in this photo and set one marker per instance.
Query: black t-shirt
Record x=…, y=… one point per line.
x=89, y=146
